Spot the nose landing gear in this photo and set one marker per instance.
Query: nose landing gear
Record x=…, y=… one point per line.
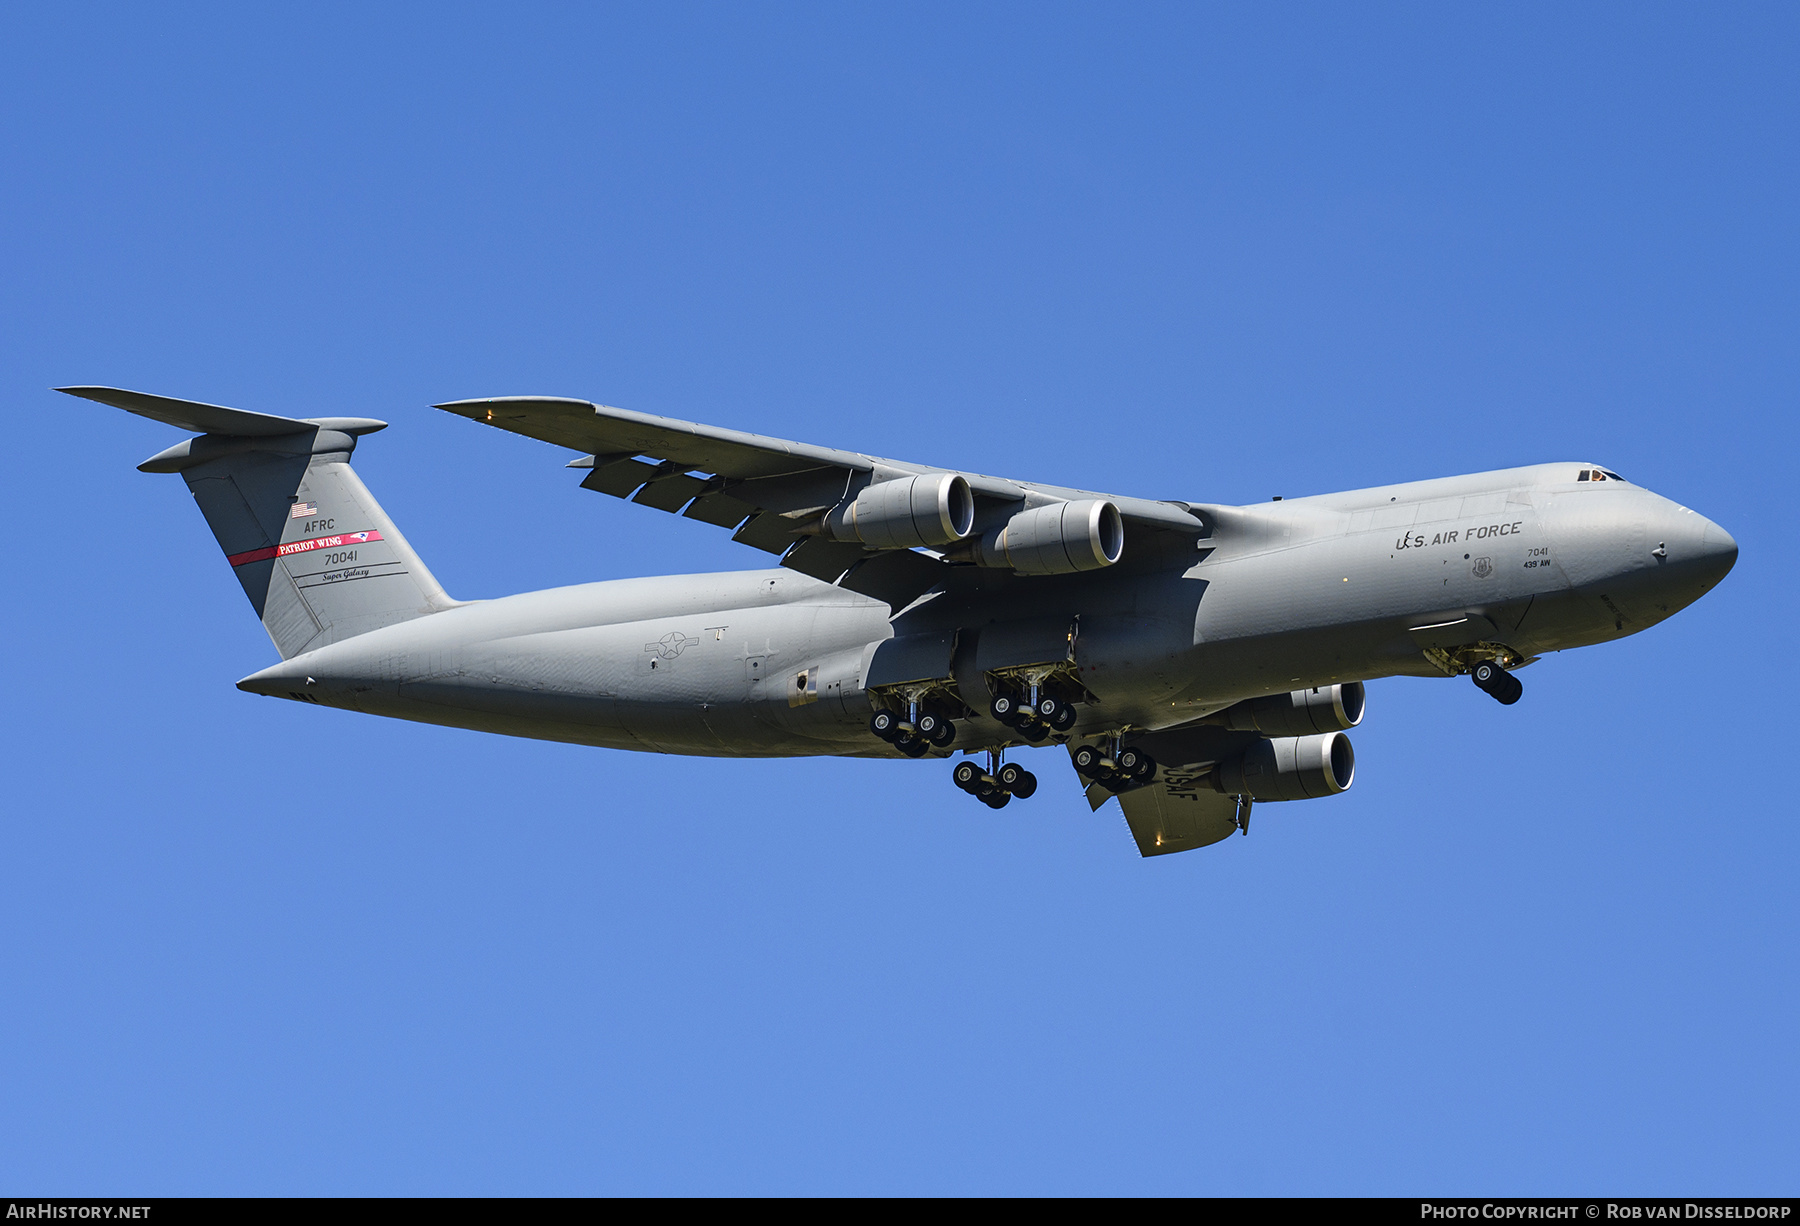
x=1496, y=681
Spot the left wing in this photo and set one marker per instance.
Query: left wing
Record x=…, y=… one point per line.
x=773, y=493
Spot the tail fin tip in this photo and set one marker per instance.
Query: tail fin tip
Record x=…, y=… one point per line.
x=204, y=418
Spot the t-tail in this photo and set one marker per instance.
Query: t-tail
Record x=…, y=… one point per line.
x=318, y=557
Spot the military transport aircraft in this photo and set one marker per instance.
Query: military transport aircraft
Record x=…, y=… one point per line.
x=1190, y=658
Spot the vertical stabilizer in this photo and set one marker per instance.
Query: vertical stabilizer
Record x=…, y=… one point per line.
x=315, y=553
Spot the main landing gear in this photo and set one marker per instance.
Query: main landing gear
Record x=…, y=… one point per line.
x=914, y=737
x=1120, y=771
x=998, y=784
x=1036, y=717
x=1502, y=685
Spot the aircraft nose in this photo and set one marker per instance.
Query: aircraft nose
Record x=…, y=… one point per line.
x=1718, y=552
x=1693, y=553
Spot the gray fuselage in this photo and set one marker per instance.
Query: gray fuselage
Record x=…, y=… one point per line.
x=1306, y=592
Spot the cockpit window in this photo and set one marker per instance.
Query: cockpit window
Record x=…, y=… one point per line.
x=1598, y=474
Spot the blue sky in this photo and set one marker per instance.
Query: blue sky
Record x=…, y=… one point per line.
x=1180, y=252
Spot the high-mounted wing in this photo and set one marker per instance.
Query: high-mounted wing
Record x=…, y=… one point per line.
x=847, y=518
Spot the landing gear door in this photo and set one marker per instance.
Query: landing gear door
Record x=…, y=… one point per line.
x=1015, y=644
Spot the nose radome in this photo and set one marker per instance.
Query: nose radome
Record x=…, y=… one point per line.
x=1718, y=551
x=1692, y=552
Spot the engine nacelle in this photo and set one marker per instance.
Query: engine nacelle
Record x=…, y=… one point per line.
x=1060, y=539
x=1325, y=708
x=1290, y=768
x=932, y=509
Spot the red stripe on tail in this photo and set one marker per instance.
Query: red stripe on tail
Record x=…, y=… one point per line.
x=292, y=547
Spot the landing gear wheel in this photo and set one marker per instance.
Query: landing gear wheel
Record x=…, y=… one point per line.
x=1145, y=770
x=1034, y=732
x=1114, y=782
x=885, y=724
x=1129, y=759
x=928, y=727
x=912, y=746
x=967, y=776
x=945, y=734
x=1048, y=708
x=997, y=800
x=1009, y=777
x=1087, y=761
x=1505, y=688
x=1026, y=785
x=1005, y=708
x=1064, y=719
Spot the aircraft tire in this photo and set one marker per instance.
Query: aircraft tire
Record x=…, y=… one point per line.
x=912, y=747
x=1087, y=761
x=1505, y=688
x=967, y=776
x=1026, y=785
x=885, y=724
x=996, y=800
x=945, y=734
x=1034, y=732
x=1005, y=709
x=928, y=727
x=1145, y=769
x=1065, y=717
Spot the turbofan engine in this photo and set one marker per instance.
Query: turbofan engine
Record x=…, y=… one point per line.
x=1059, y=539
x=1290, y=768
x=1324, y=708
x=933, y=509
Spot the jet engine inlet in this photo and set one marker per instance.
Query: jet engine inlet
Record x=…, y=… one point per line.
x=934, y=509
x=1059, y=539
x=1290, y=768
x=1324, y=708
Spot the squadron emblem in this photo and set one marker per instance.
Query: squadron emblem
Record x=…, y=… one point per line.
x=1483, y=568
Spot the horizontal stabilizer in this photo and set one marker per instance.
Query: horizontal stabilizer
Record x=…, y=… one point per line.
x=217, y=419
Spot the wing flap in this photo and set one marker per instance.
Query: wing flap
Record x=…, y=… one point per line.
x=617, y=476
x=721, y=510
x=767, y=532
x=669, y=493
x=823, y=559
x=1166, y=817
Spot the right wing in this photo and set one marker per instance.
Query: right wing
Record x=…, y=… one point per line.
x=1180, y=809
x=1172, y=814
